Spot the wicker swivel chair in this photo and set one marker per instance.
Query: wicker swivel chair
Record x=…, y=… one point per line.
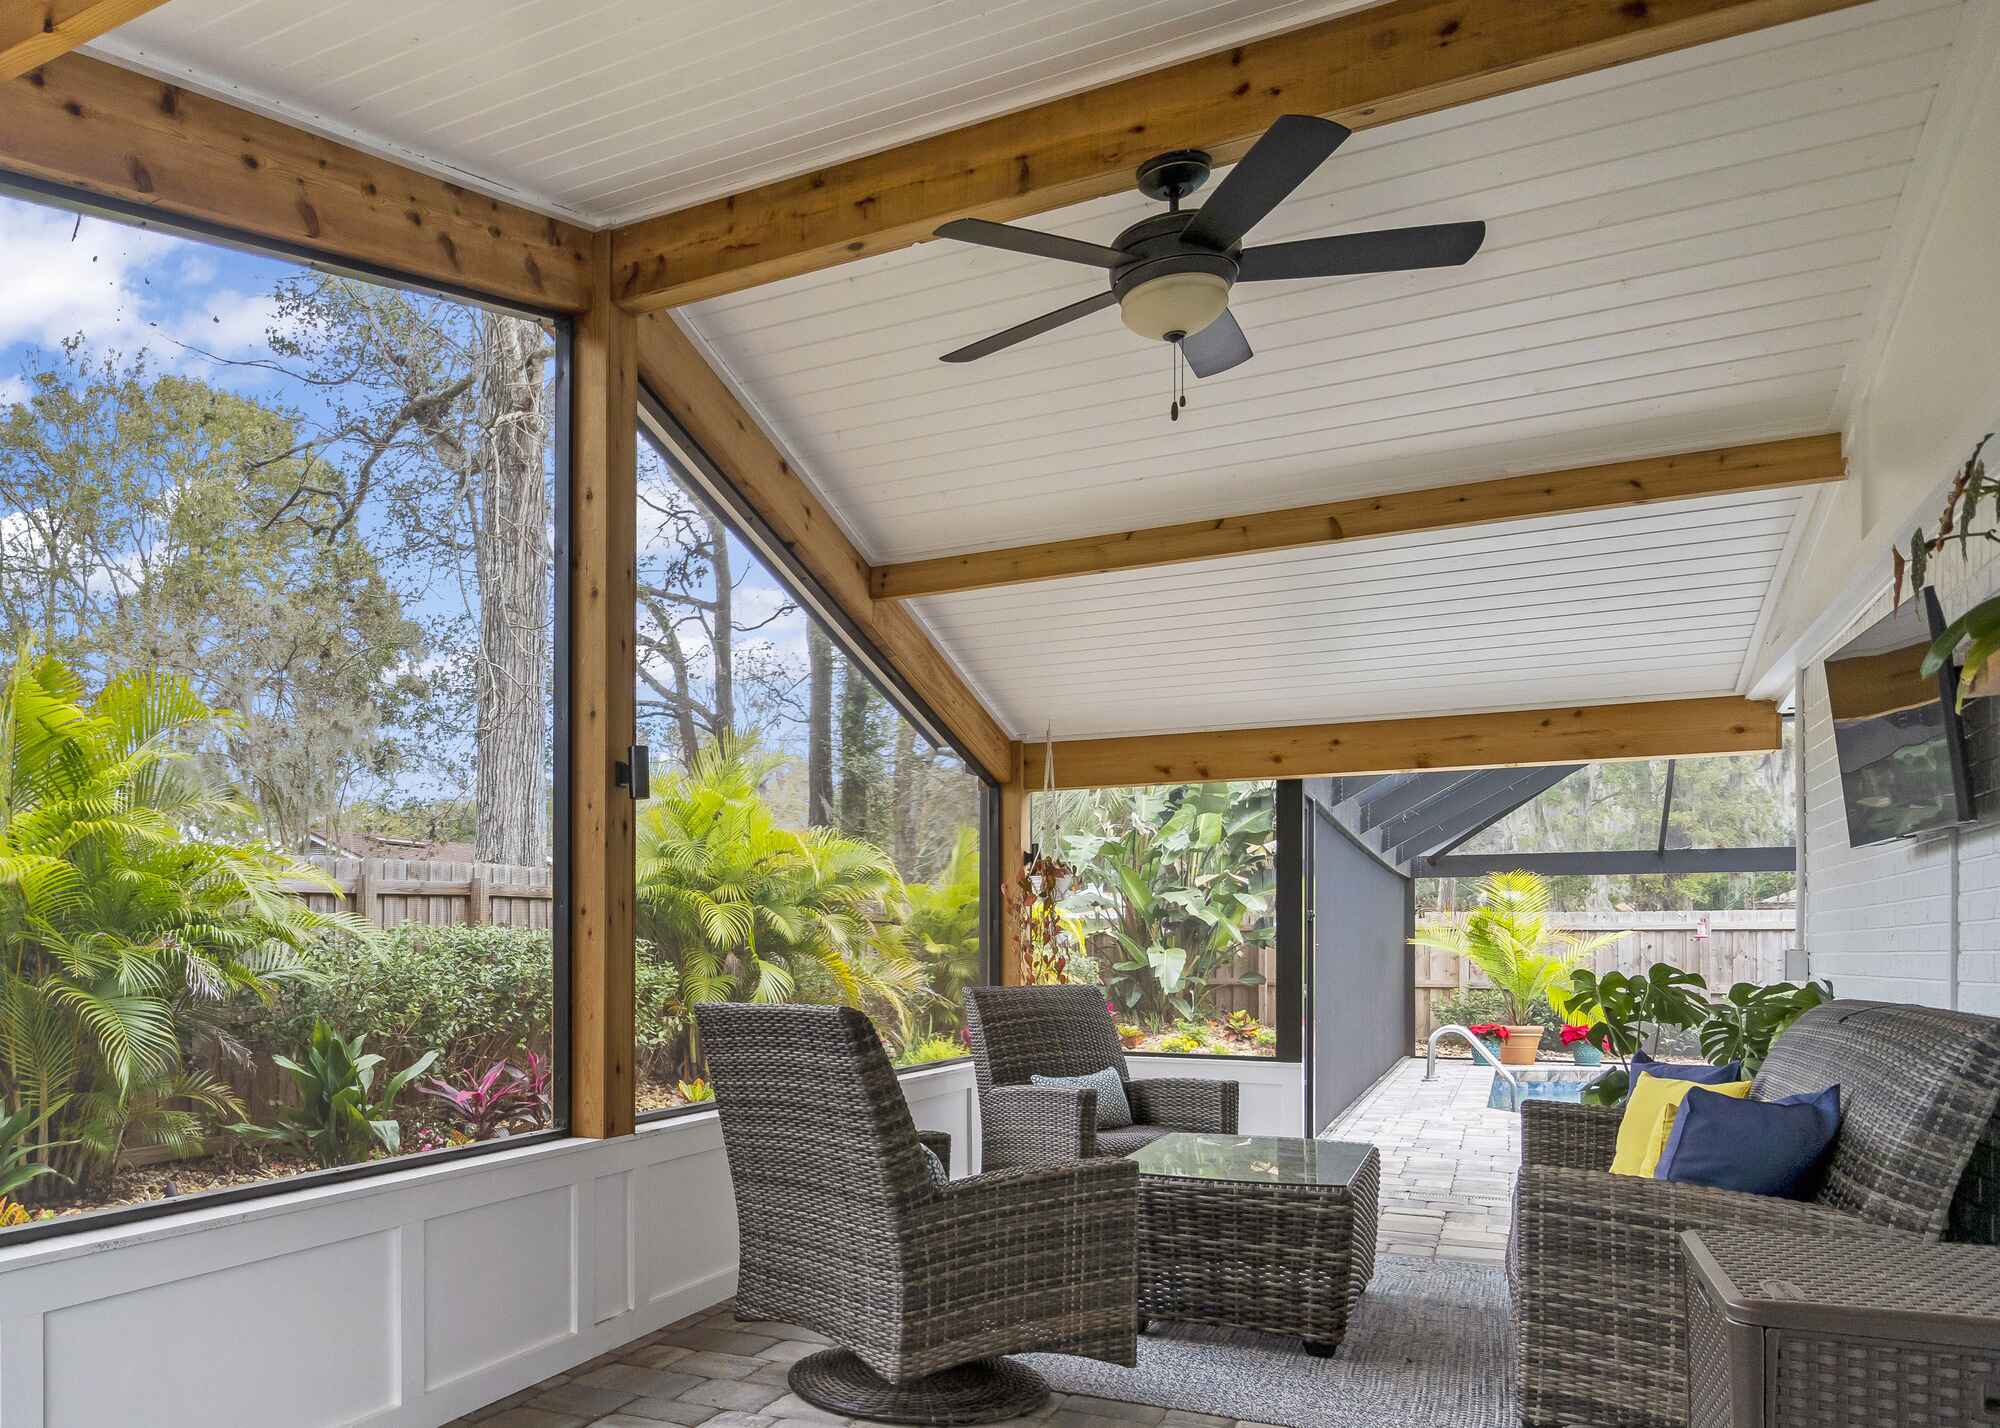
x=1018, y=1032
x=1600, y=1297
x=921, y=1286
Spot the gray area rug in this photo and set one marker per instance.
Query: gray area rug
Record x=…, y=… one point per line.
x=1430, y=1347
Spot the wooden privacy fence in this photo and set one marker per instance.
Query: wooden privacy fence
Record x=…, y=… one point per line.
x=392, y=891
x=1227, y=992
x=1746, y=946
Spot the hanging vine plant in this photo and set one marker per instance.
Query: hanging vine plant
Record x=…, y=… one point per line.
x=1048, y=936
x=1958, y=521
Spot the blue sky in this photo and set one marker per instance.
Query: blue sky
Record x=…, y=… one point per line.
x=129, y=290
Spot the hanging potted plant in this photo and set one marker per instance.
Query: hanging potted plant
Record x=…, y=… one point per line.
x=1980, y=624
x=1049, y=939
x=1508, y=938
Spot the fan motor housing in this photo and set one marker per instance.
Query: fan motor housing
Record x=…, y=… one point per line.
x=1179, y=261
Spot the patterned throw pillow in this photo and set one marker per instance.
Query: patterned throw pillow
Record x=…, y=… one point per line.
x=940, y=1176
x=1114, y=1112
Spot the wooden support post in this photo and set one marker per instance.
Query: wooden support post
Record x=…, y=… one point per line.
x=604, y=434
x=1013, y=843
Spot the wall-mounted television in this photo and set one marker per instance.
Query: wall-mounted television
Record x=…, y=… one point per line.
x=1898, y=739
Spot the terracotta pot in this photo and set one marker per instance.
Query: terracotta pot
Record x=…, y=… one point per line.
x=1519, y=1047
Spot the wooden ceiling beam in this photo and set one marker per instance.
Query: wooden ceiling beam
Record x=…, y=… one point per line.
x=1770, y=465
x=33, y=32
x=1364, y=69
x=107, y=131
x=674, y=370
x=1665, y=728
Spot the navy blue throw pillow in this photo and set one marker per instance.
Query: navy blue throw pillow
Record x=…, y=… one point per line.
x=1700, y=1074
x=1759, y=1147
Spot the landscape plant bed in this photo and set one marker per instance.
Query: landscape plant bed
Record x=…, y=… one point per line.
x=178, y=1179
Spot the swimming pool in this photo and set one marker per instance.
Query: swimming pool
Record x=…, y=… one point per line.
x=1542, y=1083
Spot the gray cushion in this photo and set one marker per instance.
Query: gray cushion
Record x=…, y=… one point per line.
x=1113, y=1111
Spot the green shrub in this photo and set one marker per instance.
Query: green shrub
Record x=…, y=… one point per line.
x=474, y=995
x=933, y=1048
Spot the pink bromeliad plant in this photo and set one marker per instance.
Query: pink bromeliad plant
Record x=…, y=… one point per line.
x=503, y=1098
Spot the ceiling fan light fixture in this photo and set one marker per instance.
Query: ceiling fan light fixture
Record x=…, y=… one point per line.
x=1174, y=304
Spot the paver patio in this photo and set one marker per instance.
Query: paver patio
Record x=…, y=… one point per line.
x=1448, y=1162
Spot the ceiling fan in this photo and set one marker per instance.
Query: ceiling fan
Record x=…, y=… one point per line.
x=1171, y=273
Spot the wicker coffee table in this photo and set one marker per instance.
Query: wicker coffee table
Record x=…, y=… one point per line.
x=1257, y=1232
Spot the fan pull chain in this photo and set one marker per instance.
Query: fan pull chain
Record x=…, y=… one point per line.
x=1176, y=384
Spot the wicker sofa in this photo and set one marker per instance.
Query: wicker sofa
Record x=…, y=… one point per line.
x=921, y=1286
x=1600, y=1300
x=1018, y=1032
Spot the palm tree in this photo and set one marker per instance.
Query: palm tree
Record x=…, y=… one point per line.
x=1508, y=938
x=943, y=930
x=753, y=911
x=124, y=932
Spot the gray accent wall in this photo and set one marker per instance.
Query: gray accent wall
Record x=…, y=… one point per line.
x=1359, y=960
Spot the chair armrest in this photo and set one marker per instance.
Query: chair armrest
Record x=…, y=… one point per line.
x=938, y=1143
x=1184, y=1103
x=1036, y=1125
x=1569, y=1136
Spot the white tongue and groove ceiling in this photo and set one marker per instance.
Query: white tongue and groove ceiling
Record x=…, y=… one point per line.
x=1687, y=252
x=605, y=111
x=1691, y=251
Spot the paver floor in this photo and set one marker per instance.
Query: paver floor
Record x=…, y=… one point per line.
x=1448, y=1163
x=713, y=1370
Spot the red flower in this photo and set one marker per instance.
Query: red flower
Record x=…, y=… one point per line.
x=1489, y=1030
x=1571, y=1035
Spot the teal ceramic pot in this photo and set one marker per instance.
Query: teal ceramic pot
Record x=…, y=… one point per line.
x=1492, y=1044
x=1586, y=1054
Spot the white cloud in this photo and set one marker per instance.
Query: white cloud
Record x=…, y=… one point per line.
x=13, y=390
x=62, y=277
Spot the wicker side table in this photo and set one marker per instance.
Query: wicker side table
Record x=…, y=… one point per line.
x=1257, y=1232
x=1789, y=1331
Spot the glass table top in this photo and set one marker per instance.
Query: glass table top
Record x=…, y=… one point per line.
x=1252, y=1159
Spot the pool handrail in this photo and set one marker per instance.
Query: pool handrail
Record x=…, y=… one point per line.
x=1480, y=1052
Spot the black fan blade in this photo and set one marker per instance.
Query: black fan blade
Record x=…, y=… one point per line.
x=1217, y=347
x=1387, y=250
x=1027, y=240
x=987, y=346
x=1276, y=164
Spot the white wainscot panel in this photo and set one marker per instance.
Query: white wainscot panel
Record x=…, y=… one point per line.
x=684, y=1221
x=400, y=1301
x=301, y=1339
x=611, y=1223
x=1270, y=1094
x=947, y=1100
x=498, y=1282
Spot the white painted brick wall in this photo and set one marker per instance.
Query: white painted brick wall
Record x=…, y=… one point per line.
x=1882, y=922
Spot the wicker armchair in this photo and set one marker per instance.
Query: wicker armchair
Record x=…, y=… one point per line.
x=1600, y=1299
x=921, y=1286
x=1066, y=1031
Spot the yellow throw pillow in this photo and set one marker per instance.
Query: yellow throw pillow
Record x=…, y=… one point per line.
x=1649, y=1120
